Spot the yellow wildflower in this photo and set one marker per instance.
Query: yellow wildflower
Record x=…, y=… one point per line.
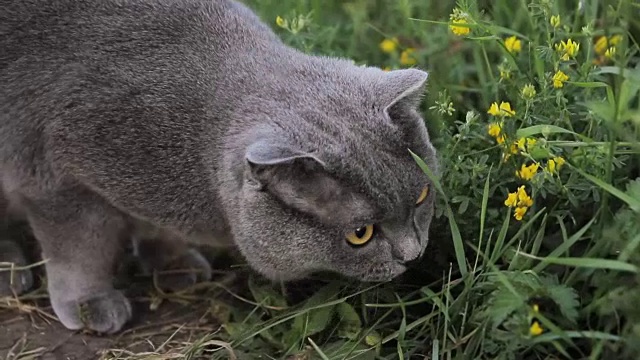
x=528, y=91
x=513, y=44
x=505, y=109
x=500, y=139
x=406, y=58
x=524, y=200
x=610, y=53
x=494, y=109
x=535, y=329
x=554, y=165
x=281, y=22
x=495, y=129
x=527, y=172
x=555, y=21
x=551, y=166
x=459, y=30
x=601, y=45
x=505, y=74
x=512, y=200
x=615, y=40
x=559, y=79
x=525, y=144
x=519, y=213
x=513, y=149
x=388, y=45
x=569, y=49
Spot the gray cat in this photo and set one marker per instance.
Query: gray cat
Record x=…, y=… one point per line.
x=192, y=119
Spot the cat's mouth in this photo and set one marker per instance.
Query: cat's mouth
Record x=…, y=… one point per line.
x=384, y=272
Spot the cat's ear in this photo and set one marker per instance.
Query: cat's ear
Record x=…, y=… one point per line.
x=298, y=179
x=403, y=87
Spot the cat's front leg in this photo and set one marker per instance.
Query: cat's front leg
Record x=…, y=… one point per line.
x=80, y=238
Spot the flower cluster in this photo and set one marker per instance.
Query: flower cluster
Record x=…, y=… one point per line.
x=519, y=200
x=390, y=46
x=568, y=50
x=459, y=19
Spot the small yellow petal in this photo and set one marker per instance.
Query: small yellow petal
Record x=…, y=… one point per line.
x=535, y=329
x=494, y=109
x=519, y=213
x=389, y=45
x=459, y=30
x=512, y=200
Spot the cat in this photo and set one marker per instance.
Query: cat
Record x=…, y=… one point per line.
x=193, y=119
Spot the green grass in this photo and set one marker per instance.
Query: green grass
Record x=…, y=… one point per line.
x=489, y=281
x=569, y=265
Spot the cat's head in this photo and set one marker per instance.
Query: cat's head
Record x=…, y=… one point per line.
x=332, y=186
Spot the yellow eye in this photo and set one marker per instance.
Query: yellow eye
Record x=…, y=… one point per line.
x=423, y=195
x=361, y=236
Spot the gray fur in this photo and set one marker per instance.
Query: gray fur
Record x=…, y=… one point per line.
x=193, y=117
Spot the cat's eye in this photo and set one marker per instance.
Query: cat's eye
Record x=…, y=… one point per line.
x=423, y=195
x=361, y=235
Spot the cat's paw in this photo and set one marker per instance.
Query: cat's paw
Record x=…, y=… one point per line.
x=106, y=312
x=183, y=272
x=13, y=281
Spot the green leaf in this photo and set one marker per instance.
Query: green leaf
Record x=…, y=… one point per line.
x=543, y=129
x=316, y=313
x=265, y=295
x=350, y=324
x=593, y=263
x=633, y=203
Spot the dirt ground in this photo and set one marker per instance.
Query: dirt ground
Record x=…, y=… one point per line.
x=36, y=334
x=163, y=326
x=29, y=329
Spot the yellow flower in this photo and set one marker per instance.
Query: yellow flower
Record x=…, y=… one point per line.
x=559, y=78
x=601, y=45
x=615, y=40
x=525, y=144
x=459, y=30
x=524, y=200
x=610, y=53
x=388, y=45
x=513, y=44
x=281, y=22
x=527, y=172
x=528, y=91
x=505, y=74
x=569, y=49
x=500, y=139
x=406, y=58
x=513, y=149
x=535, y=329
x=494, y=109
x=555, y=21
x=495, y=129
x=551, y=166
x=505, y=109
x=512, y=200
x=519, y=213
x=554, y=165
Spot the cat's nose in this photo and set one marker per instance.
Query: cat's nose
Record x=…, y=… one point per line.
x=407, y=251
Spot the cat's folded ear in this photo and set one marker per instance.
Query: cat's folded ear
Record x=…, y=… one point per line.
x=299, y=179
x=402, y=88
